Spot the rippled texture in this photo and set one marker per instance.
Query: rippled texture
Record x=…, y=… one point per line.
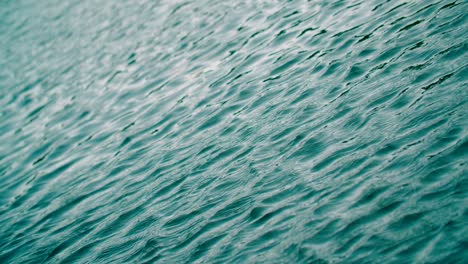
x=233, y=131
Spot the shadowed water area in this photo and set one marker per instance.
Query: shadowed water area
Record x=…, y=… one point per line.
x=233, y=131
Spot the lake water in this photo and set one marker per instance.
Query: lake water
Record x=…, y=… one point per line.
x=233, y=131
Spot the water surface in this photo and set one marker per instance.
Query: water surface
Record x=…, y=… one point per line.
x=233, y=131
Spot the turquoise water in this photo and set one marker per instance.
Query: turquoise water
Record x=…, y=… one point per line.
x=233, y=131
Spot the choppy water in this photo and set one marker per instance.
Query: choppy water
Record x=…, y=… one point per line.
x=233, y=131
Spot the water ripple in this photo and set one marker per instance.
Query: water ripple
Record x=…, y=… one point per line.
x=236, y=132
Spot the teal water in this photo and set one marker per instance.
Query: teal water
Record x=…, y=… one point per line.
x=233, y=131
